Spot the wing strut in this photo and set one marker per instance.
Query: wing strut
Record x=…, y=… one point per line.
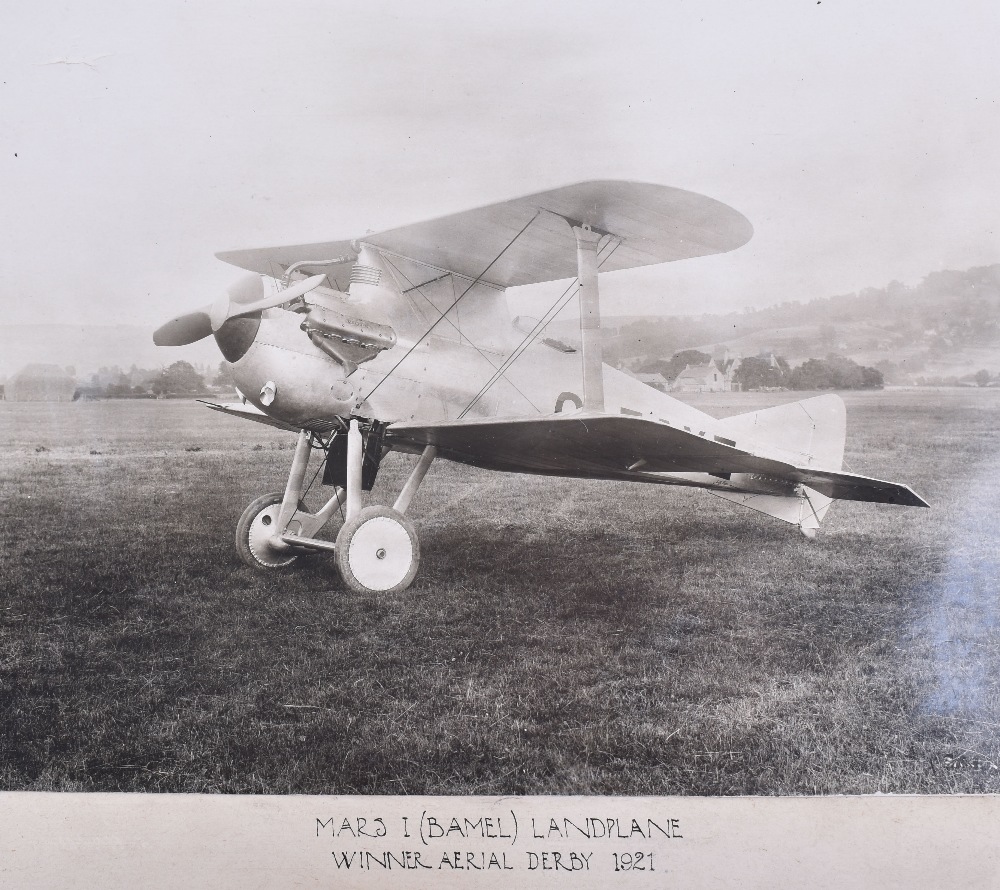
x=587, y=241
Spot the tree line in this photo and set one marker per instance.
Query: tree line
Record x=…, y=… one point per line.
x=179, y=379
x=833, y=372
x=764, y=372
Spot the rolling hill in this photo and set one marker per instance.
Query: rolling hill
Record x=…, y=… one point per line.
x=948, y=326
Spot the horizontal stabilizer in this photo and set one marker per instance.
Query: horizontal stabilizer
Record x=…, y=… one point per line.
x=851, y=487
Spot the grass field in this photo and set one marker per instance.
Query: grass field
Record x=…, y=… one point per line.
x=561, y=636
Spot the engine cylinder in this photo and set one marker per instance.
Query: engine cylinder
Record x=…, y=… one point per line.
x=357, y=331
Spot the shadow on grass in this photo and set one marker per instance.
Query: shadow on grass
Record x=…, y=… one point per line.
x=561, y=637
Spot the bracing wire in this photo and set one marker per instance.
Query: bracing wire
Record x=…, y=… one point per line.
x=458, y=299
x=417, y=288
x=532, y=335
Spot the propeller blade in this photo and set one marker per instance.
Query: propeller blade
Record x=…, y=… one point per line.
x=227, y=307
x=303, y=287
x=249, y=289
x=184, y=329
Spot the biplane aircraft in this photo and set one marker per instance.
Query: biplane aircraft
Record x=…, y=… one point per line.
x=403, y=341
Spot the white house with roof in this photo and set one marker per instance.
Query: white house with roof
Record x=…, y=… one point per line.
x=702, y=378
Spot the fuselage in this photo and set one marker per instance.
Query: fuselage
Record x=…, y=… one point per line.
x=470, y=361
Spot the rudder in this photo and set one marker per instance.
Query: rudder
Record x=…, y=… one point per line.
x=808, y=433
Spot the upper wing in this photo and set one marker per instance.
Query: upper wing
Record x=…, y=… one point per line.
x=605, y=446
x=657, y=224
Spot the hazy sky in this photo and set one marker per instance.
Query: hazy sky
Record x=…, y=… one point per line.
x=861, y=139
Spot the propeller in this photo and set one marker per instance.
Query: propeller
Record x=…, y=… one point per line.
x=184, y=329
x=244, y=297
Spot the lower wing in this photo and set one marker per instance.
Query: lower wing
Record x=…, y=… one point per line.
x=606, y=446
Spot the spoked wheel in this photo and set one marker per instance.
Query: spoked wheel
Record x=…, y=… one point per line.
x=253, y=534
x=377, y=551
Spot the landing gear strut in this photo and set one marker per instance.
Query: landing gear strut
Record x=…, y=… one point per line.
x=377, y=549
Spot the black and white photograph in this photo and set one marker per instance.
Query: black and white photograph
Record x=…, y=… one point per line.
x=457, y=399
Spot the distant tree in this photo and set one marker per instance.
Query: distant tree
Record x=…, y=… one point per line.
x=654, y=366
x=690, y=357
x=811, y=374
x=680, y=360
x=834, y=372
x=758, y=372
x=179, y=379
x=982, y=377
x=872, y=378
x=673, y=366
x=224, y=375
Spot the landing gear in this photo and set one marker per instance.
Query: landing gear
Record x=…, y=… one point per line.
x=377, y=550
x=255, y=541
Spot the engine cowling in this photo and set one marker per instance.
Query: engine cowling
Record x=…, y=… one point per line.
x=347, y=338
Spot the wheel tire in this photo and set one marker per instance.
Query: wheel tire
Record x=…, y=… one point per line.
x=378, y=551
x=252, y=535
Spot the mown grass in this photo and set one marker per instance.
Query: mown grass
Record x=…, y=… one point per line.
x=561, y=636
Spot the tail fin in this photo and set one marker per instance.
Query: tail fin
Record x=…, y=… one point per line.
x=808, y=433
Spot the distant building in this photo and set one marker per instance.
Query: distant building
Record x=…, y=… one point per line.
x=40, y=383
x=729, y=368
x=702, y=378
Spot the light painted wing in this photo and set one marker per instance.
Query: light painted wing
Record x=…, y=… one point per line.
x=657, y=224
x=273, y=261
x=605, y=446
